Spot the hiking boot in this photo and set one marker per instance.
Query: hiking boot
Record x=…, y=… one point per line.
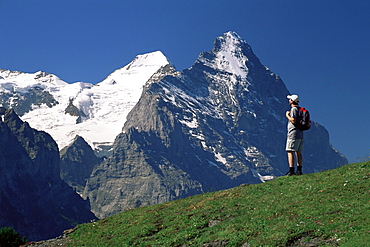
x=290, y=173
x=299, y=173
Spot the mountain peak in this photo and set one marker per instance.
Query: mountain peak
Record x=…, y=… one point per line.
x=230, y=54
x=232, y=35
x=230, y=41
x=148, y=59
x=148, y=62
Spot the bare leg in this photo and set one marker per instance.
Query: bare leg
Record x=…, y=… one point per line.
x=299, y=158
x=299, y=163
x=291, y=158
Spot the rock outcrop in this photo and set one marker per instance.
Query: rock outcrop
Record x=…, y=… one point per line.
x=76, y=163
x=33, y=198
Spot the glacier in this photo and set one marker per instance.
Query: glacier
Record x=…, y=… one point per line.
x=104, y=105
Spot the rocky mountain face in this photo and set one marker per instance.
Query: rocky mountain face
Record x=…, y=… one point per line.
x=33, y=198
x=219, y=124
x=76, y=163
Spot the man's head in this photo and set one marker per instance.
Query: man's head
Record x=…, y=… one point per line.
x=293, y=99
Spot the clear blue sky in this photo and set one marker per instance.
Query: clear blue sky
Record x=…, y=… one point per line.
x=321, y=49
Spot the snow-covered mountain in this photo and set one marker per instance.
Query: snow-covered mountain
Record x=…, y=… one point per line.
x=95, y=112
x=216, y=125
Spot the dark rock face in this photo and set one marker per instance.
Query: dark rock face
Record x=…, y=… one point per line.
x=219, y=124
x=76, y=163
x=33, y=198
x=74, y=111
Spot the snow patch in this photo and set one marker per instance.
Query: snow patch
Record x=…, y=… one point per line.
x=219, y=158
x=191, y=124
x=262, y=178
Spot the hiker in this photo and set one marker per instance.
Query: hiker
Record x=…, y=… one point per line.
x=294, y=144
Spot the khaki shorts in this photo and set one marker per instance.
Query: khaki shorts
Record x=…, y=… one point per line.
x=294, y=145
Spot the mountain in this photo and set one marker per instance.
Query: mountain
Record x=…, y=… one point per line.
x=66, y=110
x=76, y=163
x=33, y=198
x=216, y=125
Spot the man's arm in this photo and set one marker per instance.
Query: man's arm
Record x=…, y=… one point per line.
x=291, y=119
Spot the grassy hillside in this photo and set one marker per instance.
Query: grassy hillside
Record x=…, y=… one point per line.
x=323, y=209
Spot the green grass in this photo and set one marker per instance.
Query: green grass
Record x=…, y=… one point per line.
x=327, y=209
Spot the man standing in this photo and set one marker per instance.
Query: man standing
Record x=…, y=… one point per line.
x=294, y=143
